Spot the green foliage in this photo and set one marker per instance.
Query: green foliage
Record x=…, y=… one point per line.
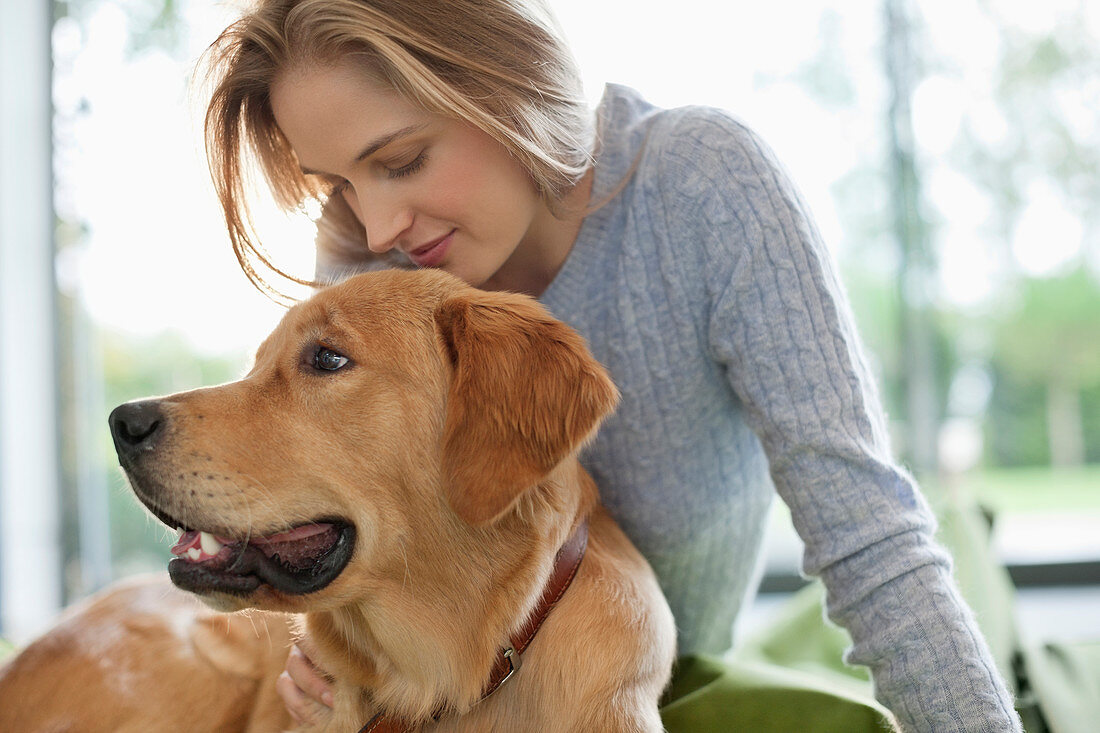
x=1054, y=330
x=136, y=368
x=825, y=73
x=160, y=364
x=1042, y=347
x=1040, y=338
x=1015, y=423
x=1041, y=79
x=139, y=543
x=1036, y=489
x=876, y=307
x=1090, y=423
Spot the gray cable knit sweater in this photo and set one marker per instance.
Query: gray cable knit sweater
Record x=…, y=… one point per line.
x=705, y=289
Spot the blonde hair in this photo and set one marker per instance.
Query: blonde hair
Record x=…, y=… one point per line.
x=499, y=65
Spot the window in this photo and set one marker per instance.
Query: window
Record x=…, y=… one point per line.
x=980, y=320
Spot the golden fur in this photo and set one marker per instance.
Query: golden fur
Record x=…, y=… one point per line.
x=449, y=442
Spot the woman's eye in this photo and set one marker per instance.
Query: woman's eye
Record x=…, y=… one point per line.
x=329, y=360
x=409, y=168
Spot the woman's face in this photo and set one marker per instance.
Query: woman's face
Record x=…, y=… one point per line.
x=441, y=191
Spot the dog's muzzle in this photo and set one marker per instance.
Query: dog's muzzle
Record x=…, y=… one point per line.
x=293, y=563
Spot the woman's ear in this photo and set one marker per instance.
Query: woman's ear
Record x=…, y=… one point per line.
x=525, y=393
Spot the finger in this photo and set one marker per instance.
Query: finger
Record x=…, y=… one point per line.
x=309, y=679
x=304, y=710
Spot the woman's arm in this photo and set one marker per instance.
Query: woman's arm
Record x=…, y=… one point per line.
x=781, y=324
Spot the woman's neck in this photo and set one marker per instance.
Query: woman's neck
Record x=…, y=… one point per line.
x=546, y=245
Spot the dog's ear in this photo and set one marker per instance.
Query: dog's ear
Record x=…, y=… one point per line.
x=525, y=393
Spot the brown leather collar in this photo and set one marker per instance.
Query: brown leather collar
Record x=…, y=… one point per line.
x=509, y=660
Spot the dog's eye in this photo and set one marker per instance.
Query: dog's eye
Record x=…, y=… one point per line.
x=328, y=360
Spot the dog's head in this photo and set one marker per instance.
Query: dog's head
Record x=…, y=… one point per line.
x=389, y=405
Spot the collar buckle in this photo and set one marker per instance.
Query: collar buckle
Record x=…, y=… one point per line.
x=515, y=661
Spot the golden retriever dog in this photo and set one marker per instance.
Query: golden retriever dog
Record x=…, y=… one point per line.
x=398, y=475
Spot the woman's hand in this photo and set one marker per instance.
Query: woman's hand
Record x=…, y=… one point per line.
x=305, y=690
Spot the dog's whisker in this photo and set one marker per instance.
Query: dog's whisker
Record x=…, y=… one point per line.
x=255, y=630
x=261, y=495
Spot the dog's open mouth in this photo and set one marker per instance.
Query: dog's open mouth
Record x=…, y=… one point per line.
x=301, y=560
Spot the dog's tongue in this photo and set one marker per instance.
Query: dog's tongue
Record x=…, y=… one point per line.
x=298, y=561
x=297, y=547
x=300, y=546
x=186, y=541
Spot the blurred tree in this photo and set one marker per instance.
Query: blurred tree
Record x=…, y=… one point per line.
x=1050, y=339
x=1015, y=424
x=1031, y=143
x=1027, y=142
x=1046, y=90
x=1090, y=422
x=918, y=263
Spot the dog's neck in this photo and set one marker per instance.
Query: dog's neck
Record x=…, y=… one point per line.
x=436, y=641
x=510, y=659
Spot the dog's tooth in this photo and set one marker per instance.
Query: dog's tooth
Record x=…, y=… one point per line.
x=194, y=553
x=210, y=544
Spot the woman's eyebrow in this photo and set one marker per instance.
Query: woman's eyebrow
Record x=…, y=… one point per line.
x=385, y=140
x=377, y=144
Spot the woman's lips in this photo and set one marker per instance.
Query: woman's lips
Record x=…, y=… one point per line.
x=432, y=253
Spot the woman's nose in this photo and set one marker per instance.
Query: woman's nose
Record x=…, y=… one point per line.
x=384, y=218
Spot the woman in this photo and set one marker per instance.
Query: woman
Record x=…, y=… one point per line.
x=454, y=134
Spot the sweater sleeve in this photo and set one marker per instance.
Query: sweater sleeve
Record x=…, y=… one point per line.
x=780, y=324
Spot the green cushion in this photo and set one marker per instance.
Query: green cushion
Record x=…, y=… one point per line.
x=708, y=695
x=788, y=677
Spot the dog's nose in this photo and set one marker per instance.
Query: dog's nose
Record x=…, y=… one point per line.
x=136, y=427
